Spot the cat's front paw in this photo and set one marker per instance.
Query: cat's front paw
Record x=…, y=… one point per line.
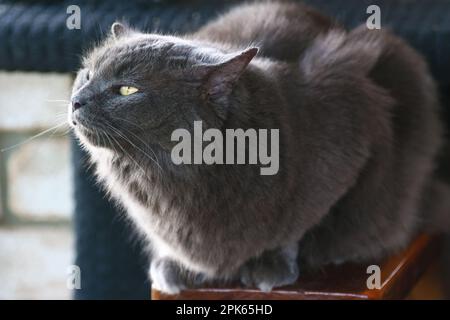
x=269, y=271
x=167, y=276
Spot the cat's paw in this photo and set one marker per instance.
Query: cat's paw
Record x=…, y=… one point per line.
x=167, y=276
x=269, y=271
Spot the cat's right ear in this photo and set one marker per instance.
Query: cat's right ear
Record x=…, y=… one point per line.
x=119, y=30
x=219, y=79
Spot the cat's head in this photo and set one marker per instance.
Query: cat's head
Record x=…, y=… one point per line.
x=138, y=88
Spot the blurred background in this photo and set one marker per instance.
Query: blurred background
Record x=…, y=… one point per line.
x=36, y=241
x=52, y=214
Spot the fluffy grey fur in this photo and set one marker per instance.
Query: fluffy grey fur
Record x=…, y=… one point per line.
x=359, y=131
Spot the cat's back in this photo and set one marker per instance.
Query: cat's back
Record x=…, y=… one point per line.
x=281, y=30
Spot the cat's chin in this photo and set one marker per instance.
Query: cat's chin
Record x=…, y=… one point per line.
x=91, y=138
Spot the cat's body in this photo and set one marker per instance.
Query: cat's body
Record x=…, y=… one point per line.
x=357, y=116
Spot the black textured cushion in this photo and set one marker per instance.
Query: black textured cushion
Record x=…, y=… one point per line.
x=33, y=35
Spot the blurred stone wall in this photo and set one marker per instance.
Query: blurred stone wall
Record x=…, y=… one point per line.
x=35, y=179
x=35, y=186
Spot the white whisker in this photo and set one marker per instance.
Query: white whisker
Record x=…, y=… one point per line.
x=117, y=131
x=33, y=137
x=140, y=139
x=57, y=100
x=129, y=156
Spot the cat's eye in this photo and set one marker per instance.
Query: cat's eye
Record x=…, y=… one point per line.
x=88, y=75
x=127, y=90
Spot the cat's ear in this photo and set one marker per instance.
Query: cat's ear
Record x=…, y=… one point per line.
x=220, y=78
x=119, y=29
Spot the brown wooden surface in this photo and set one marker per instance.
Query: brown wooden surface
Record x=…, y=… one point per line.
x=430, y=285
x=399, y=274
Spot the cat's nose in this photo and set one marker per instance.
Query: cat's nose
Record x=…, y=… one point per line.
x=77, y=104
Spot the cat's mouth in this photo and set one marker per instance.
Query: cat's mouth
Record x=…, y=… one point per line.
x=88, y=129
x=98, y=133
x=80, y=123
x=89, y=133
x=95, y=136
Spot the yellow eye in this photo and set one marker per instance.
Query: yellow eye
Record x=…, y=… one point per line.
x=126, y=90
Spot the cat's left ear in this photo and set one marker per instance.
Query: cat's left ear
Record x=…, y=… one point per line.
x=221, y=77
x=119, y=29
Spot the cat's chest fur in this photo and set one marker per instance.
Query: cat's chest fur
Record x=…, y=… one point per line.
x=152, y=210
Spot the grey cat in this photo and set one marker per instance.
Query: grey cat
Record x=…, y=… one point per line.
x=359, y=132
